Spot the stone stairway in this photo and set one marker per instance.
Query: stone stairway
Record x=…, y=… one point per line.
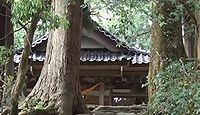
x=120, y=110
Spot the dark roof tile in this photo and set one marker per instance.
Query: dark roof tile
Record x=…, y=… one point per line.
x=97, y=56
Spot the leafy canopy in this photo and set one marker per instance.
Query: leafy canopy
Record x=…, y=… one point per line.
x=129, y=20
x=23, y=11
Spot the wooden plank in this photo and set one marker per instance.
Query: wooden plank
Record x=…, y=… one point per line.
x=129, y=95
x=110, y=92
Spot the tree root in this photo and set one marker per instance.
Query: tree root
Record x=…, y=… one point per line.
x=6, y=111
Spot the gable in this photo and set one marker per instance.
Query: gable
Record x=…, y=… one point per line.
x=103, y=38
x=88, y=43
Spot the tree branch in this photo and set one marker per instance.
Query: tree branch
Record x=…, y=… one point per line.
x=11, y=32
x=23, y=25
x=5, y=15
x=192, y=15
x=143, y=33
x=5, y=5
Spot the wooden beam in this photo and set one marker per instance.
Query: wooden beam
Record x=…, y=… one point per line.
x=100, y=73
x=132, y=73
x=102, y=67
x=102, y=70
x=115, y=67
x=107, y=63
x=130, y=95
x=136, y=68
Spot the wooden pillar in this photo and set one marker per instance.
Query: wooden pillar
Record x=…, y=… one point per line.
x=110, y=92
x=101, y=94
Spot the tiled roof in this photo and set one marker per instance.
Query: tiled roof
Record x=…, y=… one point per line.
x=99, y=29
x=40, y=40
x=97, y=55
x=136, y=56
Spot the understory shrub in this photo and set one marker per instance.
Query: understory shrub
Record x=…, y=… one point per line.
x=177, y=90
x=6, y=81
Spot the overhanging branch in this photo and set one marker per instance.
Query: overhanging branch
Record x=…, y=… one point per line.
x=11, y=32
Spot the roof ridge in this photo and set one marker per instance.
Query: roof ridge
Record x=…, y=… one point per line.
x=101, y=30
x=117, y=41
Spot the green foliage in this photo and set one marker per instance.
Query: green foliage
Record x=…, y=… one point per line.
x=4, y=55
x=8, y=80
x=19, y=38
x=35, y=105
x=36, y=102
x=129, y=20
x=177, y=90
x=24, y=10
x=8, y=83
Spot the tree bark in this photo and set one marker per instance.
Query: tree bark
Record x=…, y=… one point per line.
x=197, y=16
x=23, y=66
x=167, y=44
x=189, y=35
x=59, y=79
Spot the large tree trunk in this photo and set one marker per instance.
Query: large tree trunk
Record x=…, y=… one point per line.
x=189, y=35
x=197, y=16
x=59, y=79
x=167, y=42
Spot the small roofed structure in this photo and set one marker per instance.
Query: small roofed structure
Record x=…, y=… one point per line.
x=109, y=75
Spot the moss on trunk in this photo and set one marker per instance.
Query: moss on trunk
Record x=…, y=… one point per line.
x=167, y=44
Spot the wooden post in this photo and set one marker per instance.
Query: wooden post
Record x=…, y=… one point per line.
x=110, y=92
x=101, y=94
